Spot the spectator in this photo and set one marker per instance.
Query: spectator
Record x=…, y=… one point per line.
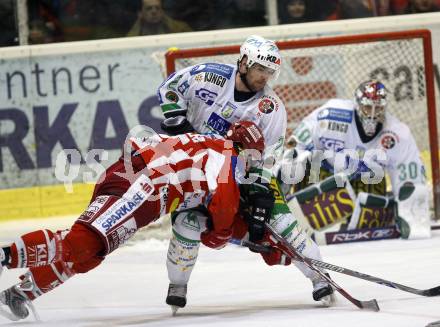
x=383, y=7
x=44, y=25
x=153, y=20
x=9, y=33
x=115, y=18
x=421, y=6
x=295, y=11
x=398, y=7
x=75, y=17
x=242, y=13
x=300, y=11
x=40, y=32
x=200, y=15
x=355, y=9
x=327, y=9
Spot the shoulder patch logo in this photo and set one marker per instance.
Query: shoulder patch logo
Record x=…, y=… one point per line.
x=172, y=96
x=388, y=142
x=389, y=139
x=267, y=104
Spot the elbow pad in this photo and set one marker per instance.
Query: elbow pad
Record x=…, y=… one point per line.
x=176, y=125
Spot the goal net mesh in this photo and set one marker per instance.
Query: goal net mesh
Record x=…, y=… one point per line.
x=311, y=76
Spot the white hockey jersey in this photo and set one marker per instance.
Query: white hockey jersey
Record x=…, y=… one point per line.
x=333, y=127
x=204, y=93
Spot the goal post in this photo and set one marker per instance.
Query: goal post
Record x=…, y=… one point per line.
x=317, y=69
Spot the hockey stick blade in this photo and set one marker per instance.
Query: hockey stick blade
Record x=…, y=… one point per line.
x=435, y=291
x=370, y=305
x=294, y=255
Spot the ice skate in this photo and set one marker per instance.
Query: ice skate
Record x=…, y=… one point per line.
x=323, y=291
x=15, y=304
x=176, y=297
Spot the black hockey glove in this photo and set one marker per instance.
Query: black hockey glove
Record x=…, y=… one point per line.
x=261, y=205
x=176, y=125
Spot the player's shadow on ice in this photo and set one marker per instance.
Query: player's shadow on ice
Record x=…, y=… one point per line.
x=207, y=311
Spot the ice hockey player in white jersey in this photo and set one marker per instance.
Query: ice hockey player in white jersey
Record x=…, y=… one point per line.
x=376, y=143
x=208, y=98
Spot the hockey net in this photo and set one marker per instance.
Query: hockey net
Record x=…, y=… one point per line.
x=315, y=70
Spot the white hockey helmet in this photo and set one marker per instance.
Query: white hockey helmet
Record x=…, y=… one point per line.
x=261, y=51
x=371, y=101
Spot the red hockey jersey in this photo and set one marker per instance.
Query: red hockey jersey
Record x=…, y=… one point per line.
x=190, y=170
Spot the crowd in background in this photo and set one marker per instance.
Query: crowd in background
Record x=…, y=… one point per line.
x=73, y=20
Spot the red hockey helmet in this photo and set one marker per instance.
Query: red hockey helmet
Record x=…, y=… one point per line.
x=247, y=135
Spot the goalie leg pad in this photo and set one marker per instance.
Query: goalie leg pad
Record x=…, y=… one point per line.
x=414, y=217
x=184, y=245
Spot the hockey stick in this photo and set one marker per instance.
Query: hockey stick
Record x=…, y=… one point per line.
x=435, y=291
x=369, y=305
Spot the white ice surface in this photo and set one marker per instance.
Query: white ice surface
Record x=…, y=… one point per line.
x=233, y=287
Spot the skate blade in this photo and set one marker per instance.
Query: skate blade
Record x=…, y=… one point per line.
x=174, y=310
x=328, y=300
x=8, y=314
x=33, y=310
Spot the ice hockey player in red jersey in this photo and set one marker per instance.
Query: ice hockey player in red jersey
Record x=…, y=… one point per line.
x=160, y=174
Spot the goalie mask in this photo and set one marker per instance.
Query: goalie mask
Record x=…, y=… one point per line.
x=371, y=101
x=264, y=52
